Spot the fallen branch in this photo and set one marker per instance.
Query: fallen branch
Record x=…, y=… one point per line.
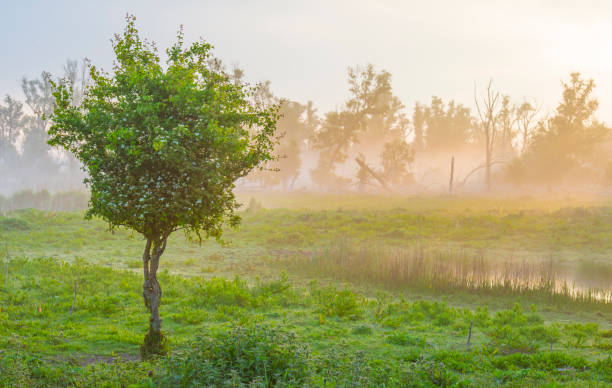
x=363, y=165
x=478, y=168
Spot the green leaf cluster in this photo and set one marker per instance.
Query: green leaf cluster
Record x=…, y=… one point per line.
x=163, y=144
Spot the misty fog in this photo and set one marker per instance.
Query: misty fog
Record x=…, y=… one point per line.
x=372, y=143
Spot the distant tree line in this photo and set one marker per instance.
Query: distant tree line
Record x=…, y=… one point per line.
x=26, y=160
x=44, y=200
x=370, y=142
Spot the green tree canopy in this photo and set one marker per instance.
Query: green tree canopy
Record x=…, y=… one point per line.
x=163, y=145
x=570, y=144
x=296, y=125
x=448, y=127
x=370, y=118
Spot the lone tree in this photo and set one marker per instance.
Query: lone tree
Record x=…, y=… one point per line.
x=163, y=147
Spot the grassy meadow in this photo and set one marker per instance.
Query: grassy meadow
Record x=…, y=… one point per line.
x=319, y=290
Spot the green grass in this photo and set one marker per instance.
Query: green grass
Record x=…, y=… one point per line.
x=281, y=275
x=567, y=237
x=45, y=344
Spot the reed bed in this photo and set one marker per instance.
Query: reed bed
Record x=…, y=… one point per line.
x=447, y=271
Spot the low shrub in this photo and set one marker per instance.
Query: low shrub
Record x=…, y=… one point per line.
x=273, y=287
x=16, y=370
x=404, y=339
x=427, y=373
x=362, y=330
x=256, y=356
x=9, y=224
x=342, y=368
x=546, y=361
x=338, y=303
x=508, y=339
x=220, y=291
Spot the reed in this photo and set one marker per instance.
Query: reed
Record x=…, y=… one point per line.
x=447, y=271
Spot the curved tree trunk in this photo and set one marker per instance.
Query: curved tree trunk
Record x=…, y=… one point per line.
x=151, y=292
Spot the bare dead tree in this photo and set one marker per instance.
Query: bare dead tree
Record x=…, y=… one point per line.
x=488, y=115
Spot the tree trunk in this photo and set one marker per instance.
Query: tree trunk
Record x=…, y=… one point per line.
x=452, y=173
x=154, y=343
x=488, y=170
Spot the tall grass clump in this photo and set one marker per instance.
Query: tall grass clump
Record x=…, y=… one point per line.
x=446, y=271
x=255, y=356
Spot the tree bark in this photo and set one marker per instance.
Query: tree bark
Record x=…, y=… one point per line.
x=452, y=173
x=488, y=170
x=152, y=293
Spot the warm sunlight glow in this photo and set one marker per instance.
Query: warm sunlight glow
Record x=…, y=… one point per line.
x=322, y=194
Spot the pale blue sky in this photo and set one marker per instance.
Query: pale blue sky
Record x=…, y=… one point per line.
x=304, y=47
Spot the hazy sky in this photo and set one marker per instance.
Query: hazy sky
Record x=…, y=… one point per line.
x=304, y=47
